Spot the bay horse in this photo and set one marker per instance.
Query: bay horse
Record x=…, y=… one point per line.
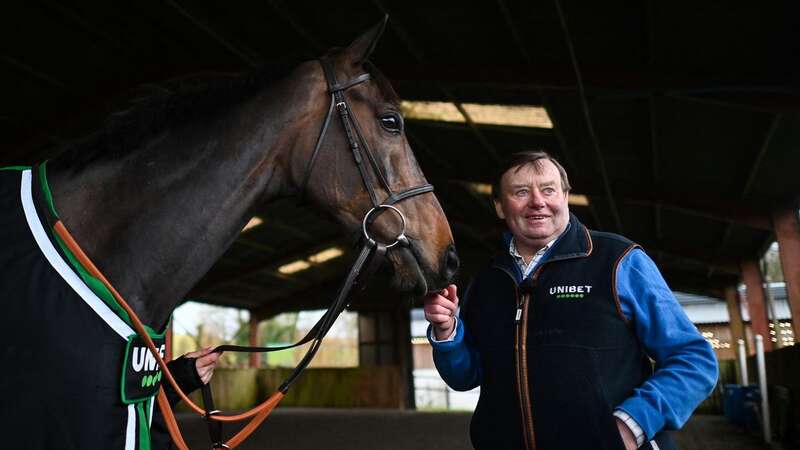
x=155, y=198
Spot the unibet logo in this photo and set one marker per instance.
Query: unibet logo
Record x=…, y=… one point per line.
x=142, y=359
x=150, y=380
x=562, y=292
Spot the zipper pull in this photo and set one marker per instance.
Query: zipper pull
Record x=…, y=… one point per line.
x=519, y=315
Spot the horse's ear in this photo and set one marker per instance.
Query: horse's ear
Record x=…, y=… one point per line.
x=360, y=49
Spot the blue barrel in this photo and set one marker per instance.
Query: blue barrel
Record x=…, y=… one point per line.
x=741, y=404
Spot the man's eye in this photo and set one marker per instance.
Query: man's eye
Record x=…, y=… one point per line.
x=391, y=123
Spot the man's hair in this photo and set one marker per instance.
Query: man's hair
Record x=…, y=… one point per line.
x=533, y=157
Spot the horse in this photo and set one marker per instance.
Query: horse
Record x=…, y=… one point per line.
x=159, y=194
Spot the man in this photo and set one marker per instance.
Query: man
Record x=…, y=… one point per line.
x=560, y=328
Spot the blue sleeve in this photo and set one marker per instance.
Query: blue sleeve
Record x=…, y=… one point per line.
x=685, y=365
x=458, y=360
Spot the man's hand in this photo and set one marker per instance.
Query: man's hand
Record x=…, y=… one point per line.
x=627, y=435
x=205, y=363
x=440, y=310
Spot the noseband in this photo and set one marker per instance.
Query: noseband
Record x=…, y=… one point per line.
x=371, y=255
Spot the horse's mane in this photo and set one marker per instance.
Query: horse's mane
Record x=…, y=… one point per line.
x=155, y=108
x=172, y=104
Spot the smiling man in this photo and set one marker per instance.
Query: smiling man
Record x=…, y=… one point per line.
x=573, y=335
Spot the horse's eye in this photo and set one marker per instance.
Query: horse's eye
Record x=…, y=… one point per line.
x=392, y=123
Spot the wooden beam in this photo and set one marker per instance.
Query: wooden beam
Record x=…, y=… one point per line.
x=248, y=56
x=588, y=119
x=693, y=256
x=418, y=143
x=754, y=292
x=218, y=278
x=280, y=7
x=752, y=172
x=729, y=210
x=734, y=314
x=787, y=231
x=317, y=296
x=601, y=80
x=38, y=75
x=418, y=55
x=459, y=126
x=738, y=213
x=515, y=34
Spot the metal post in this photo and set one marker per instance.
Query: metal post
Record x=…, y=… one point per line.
x=762, y=386
x=743, y=363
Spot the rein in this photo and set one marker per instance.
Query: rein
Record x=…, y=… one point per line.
x=370, y=257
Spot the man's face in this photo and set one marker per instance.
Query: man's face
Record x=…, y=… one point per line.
x=533, y=204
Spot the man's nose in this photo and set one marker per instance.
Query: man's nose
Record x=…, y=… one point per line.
x=536, y=200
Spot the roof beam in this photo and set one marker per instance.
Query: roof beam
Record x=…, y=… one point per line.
x=216, y=279
x=247, y=55
x=316, y=296
x=515, y=34
x=523, y=50
x=692, y=256
x=737, y=213
x=655, y=163
x=417, y=53
x=728, y=210
x=38, y=75
x=588, y=119
x=633, y=81
x=650, y=30
x=280, y=8
x=752, y=172
x=419, y=144
x=512, y=129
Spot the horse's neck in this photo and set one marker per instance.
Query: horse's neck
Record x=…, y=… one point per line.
x=156, y=220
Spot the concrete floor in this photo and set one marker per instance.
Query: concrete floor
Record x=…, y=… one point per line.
x=332, y=429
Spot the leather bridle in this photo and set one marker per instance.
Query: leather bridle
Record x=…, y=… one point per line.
x=371, y=256
x=354, y=137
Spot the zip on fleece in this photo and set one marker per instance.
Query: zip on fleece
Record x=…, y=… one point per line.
x=521, y=362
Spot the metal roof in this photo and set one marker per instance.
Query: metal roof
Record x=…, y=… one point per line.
x=679, y=124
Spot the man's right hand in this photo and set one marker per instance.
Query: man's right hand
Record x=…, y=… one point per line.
x=440, y=310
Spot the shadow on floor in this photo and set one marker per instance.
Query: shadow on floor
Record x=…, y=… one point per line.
x=333, y=429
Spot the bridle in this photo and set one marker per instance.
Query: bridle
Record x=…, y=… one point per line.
x=371, y=256
x=354, y=137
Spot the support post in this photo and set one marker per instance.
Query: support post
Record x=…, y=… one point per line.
x=254, y=338
x=743, y=378
x=754, y=284
x=404, y=353
x=734, y=314
x=787, y=232
x=762, y=386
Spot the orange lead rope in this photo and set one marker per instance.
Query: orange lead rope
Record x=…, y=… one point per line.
x=258, y=414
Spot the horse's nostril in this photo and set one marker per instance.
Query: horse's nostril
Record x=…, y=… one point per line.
x=451, y=262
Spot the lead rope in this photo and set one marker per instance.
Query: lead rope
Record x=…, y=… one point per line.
x=260, y=412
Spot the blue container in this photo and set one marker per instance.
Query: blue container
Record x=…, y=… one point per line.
x=741, y=404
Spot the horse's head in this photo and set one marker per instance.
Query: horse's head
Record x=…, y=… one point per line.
x=331, y=178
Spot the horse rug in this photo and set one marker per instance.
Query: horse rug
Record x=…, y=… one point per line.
x=74, y=374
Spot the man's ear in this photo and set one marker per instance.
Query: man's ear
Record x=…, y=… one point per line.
x=361, y=48
x=498, y=209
